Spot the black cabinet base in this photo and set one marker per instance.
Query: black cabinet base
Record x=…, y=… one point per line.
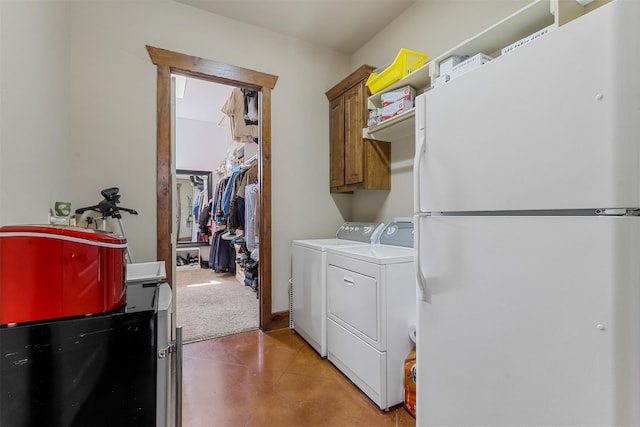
x=91, y=371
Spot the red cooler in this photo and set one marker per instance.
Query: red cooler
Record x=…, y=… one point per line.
x=49, y=272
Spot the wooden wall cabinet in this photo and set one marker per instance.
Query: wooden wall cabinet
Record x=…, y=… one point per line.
x=355, y=163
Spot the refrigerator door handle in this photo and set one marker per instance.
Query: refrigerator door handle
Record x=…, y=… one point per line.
x=421, y=279
x=420, y=150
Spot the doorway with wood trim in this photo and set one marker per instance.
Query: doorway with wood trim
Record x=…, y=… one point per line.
x=169, y=62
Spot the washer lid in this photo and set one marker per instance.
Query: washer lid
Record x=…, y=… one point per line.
x=349, y=234
x=323, y=244
x=377, y=254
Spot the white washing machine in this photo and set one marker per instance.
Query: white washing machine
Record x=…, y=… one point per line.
x=371, y=304
x=308, y=284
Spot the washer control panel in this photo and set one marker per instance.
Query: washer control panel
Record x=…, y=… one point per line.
x=398, y=234
x=367, y=232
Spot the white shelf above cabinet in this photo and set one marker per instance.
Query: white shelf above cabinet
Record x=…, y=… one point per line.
x=531, y=18
x=400, y=126
x=419, y=80
x=526, y=21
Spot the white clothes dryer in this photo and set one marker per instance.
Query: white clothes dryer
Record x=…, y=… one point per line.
x=371, y=305
x=308, y=282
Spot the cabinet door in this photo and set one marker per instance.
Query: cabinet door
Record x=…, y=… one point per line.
x=336, y=142
x=353, y=123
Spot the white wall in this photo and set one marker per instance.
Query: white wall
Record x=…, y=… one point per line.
x=203, y=134
x=203, y=131
x=78, y=100
x=432, y=27
x=35, y=152
x=200, y=145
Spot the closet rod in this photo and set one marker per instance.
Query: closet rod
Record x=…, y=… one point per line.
x=251, y=159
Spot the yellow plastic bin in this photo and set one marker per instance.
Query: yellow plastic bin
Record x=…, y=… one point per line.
x=406, y=62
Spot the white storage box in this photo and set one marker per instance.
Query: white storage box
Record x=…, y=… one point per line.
x=447, y=65
x=146, y=272
x=527, y=39
x=469, y=65
x=374, y=117
x=440, y=80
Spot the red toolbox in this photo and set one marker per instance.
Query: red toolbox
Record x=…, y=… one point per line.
x=49, y=272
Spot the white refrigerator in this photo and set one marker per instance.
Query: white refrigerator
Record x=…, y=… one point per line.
x=527, y=195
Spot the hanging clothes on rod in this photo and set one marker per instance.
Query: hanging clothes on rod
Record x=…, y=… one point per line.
x=251, y=221
x=200, y=210
x=249, y=176
x=228, y=212
x=222, y=256
x=234, y=108
x=250, y=106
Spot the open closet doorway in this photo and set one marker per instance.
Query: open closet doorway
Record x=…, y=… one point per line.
x=217, y=256
x=169, y=63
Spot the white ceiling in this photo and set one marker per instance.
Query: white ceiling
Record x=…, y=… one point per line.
x=202, y=101
x=341, y=25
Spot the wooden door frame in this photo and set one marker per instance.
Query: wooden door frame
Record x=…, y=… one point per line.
x=169, y=62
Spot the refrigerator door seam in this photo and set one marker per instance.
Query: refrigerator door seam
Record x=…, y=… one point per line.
x=618, y=212
x=545, y=212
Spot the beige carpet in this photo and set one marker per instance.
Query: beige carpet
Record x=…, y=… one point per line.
x=211, y=304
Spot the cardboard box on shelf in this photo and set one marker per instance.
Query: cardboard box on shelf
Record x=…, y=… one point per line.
x=396, y=108
x=404, y=93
